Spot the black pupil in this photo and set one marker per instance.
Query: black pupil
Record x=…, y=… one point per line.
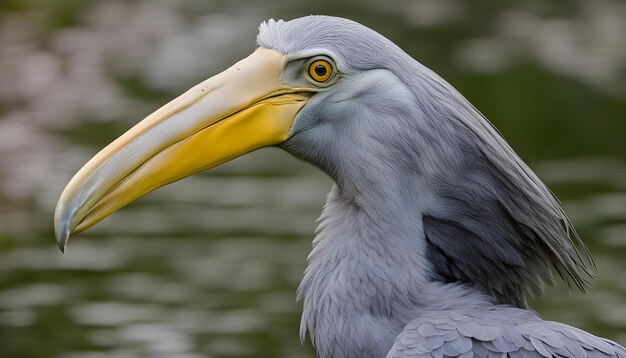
x=320, y=70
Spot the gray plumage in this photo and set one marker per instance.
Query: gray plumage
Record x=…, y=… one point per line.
x=433, y=223
x=497, y=331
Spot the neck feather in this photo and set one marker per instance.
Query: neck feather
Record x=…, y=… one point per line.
x=367, y=277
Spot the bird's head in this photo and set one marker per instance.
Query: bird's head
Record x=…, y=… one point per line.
x=341, y=96
x=295, y=85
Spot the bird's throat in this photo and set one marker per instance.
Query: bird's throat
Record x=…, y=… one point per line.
x=362, y=280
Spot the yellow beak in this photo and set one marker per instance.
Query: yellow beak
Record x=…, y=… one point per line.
x=235, y=112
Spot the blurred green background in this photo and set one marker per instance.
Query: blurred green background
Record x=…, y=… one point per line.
x=208, y=267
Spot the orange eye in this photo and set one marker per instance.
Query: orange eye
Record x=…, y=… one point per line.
x=320, y=70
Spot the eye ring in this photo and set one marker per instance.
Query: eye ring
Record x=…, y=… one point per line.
x=320, y=71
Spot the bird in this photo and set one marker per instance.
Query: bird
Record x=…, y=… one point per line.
x=435, y=233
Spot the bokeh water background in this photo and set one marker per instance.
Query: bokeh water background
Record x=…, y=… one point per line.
x=208, y=267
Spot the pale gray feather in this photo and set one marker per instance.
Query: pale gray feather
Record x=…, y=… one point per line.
x=497, y=331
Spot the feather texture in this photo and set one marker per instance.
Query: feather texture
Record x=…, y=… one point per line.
x=498, y=331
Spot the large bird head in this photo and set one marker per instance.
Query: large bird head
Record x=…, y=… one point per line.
x=341, y=96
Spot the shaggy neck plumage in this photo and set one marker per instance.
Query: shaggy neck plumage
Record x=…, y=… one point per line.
x=366, y=277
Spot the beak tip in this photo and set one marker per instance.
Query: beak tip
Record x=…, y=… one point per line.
x=62, y=237
x=62, y=228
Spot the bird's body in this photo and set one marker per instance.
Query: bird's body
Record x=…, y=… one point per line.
x=435, y=232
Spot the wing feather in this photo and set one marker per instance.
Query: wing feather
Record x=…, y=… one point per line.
x=500, y=331
x=496, y=226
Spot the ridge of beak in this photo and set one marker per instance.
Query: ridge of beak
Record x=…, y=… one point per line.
x=235, y=112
